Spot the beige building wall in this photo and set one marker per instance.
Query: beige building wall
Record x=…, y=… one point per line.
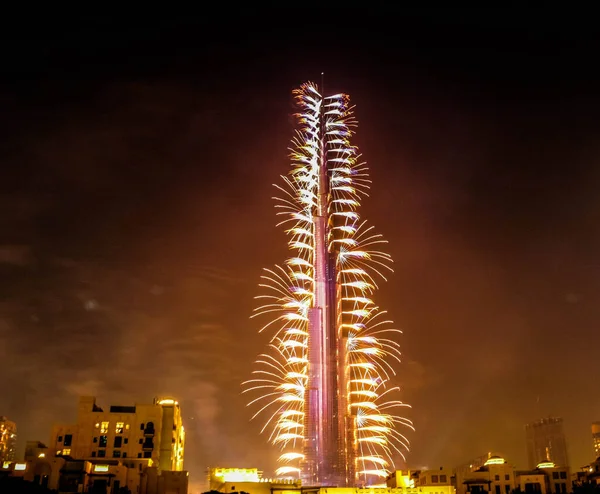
x=151, y=434
x=537, y=481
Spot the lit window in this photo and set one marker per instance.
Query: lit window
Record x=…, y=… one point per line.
x=5, y=464
x=120, y=427
x=66, y=451
x=20, y=466
x=104, y=428
x=127, y=427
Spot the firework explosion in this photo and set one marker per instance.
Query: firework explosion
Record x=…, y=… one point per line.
x=323, y=386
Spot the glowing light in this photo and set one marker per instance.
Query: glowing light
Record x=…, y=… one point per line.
x=100, y=468
x=495, y=460
x=237, y=474
x=20, y=466
x=167, y=402
x=307, y=195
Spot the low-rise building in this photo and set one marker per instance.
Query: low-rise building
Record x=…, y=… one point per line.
x=151, y=434
x=66, y=475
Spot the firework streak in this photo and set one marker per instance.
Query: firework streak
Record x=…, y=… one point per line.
x=323, y=386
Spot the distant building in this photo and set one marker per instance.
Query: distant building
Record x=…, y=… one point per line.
x=497, y=476
x=546, y=442
x=589, y=474
x=8, y=439
x=251, y=481
x=66, y=475
x=147, y=434
x=596, y=438
x=35, y=450
x=423, y=481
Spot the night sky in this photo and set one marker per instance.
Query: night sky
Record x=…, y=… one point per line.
x=138, y=159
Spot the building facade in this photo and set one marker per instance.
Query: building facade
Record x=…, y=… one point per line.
x=546, y=442
x=8, y=439
x=111, y=476
x=497, y=476
x=147, y=434
x=251, y=481
x=596, y=438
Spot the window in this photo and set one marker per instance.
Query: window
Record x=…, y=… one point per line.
x=124, y=454
x=101, y=453
x=507, y=488
x=60, y=439
x=147, y=454
x=443, y=479
x=563, y=475
x=93, y=454
x=555, y=475
x=103, y=441
x=116, y=453
x=141, y=441
x=125, y=440
x=434, y=479
x=497, y=489
x=127, y=427
x=139, y=455
x=118, y=442
x=120, y=427
x=104, y=427
x=507, y=477
x=496, y=477
x=142, y=427
x=66, y=451
x=95, y=440
x=68, y=439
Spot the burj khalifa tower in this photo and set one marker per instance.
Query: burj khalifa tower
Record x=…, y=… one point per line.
x=325, y=385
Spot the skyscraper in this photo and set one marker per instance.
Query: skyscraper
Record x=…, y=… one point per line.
x=8, y=439
x=596, y=438
x=546, y=442
x=326, y=379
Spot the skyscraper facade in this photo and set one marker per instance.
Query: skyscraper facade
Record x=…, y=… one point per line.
x=328, y=372
x=8, y=439
x=546, y=442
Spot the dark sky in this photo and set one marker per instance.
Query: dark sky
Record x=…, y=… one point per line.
x=136, y=214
